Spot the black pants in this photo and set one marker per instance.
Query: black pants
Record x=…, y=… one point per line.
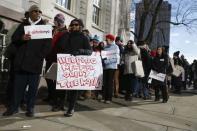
x=164, y=92
x=108, y=80
x=130, y=83
x=72, y=99
x=10, y=85
x=22, y=79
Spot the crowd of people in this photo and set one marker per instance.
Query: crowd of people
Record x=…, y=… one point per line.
x=26, y=56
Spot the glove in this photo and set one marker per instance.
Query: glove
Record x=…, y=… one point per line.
x=103, y=61
x=75, y=53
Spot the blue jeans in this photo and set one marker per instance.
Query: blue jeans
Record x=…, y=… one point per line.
x=141, y=86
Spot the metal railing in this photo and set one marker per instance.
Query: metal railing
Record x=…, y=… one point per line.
x=2, y=57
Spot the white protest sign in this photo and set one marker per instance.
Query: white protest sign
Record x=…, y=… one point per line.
x=79, y=72
x=157, y=76
x=111, y=54
x=39, y=31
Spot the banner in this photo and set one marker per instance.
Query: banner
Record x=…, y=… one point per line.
x=157, y=76
x=79, y=72
x=39, y=31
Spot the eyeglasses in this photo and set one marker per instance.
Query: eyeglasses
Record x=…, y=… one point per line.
x=74, y=25
x=37, y=11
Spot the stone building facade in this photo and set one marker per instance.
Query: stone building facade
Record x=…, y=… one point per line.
x=100, y=16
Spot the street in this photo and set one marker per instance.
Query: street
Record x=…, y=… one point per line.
x=179, y=114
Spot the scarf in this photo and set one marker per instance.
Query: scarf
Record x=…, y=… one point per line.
x=34, y=23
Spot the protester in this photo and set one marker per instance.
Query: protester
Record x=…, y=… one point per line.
x=146, y=62
x=178, y=76
x=131, y=54
x=160, y=65
x=185, y=65
x=109, y=65
x=118, y=42
x=75, y=44
x=56, y=97
x=28, y=63
x=10, y=54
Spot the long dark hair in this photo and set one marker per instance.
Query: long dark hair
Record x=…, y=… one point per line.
x=127, y=48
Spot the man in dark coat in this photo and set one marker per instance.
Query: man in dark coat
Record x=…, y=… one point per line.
x=28, y=63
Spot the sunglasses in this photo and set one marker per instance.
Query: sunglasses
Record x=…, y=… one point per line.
x=74, y=25
x=37, y=11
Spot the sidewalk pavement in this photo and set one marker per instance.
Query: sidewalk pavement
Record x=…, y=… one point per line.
x=179, y=114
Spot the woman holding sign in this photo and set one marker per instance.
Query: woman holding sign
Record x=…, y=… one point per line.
x=160, y=65
x=110, y=64
x=75, y=44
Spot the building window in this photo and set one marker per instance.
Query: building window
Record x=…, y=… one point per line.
x=64, y=3
x=96, y=11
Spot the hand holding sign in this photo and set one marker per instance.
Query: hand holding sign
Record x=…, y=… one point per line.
x=26, y=37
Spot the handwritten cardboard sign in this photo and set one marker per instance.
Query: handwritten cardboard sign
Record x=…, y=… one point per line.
x=39, y=31
x=79, y=72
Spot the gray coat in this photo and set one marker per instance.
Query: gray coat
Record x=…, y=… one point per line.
x=130, y=57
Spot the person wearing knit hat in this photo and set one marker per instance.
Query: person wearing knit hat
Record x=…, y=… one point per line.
x=110, y=64
x=27, y=68
x=59, y=20
x=96, y=38
x=56, y=97
x=110, y=37
x=34, y=8
x=118, y=38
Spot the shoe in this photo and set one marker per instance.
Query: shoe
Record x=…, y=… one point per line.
x=164, y=101
x=99, y=97
x=29, y=114
x=69, y=113
x=102, y=100
x=55, y=109
x=157, y=99
x=107, y=102
x=9, y=113
x=46, y=99
x=128, y=98
x=81, y=98
x=62, y=108
x=23, y=107
x=116, y=96
x=145, y=98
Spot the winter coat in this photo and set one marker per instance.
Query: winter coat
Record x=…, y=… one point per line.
x=112, y=63
x=75, y=43
x=30, y=54
x=129, y=57
x=160, y=65
x=56, y=48
x=177, y=80
x=146, y=60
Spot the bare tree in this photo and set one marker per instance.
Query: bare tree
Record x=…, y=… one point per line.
x=184, y=13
